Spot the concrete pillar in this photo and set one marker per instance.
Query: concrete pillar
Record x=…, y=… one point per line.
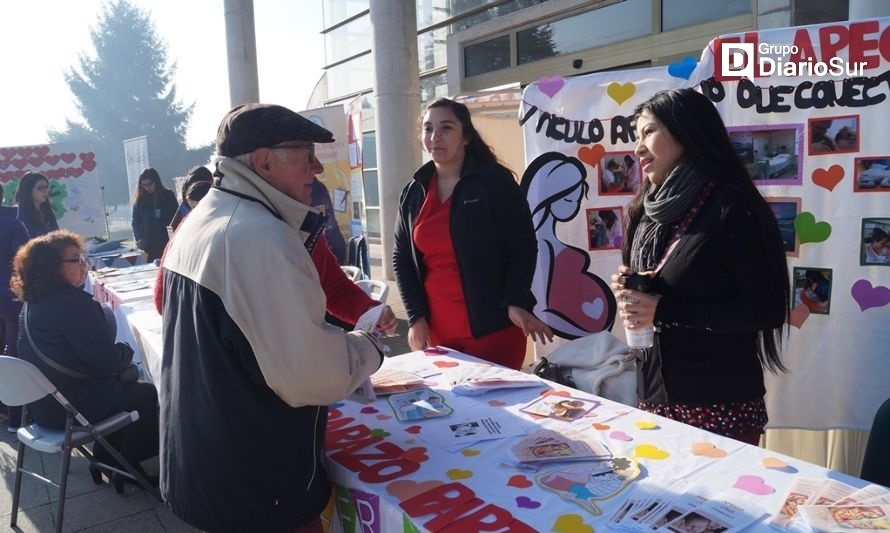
x=241, y=52
x=866, y=9
x=397, y=95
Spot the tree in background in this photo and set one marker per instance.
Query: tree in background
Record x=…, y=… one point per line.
x=126, y=91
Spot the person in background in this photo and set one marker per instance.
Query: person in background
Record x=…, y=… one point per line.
x=196, y=175
x=845, y=139
x=12, y=236
x=63, y=322
x=633, y=173
x=35, y=208
x=465, y=249
x=700, y=228
x=246, y=347
x=321, y=200
x=153, y=206
x=196, y=192
x=876, y=247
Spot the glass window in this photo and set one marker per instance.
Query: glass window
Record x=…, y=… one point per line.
x=348, y=40
x=433, y=87
x=679, y=13
x=613, y=23
x=369, y=150
x=350, y=77
x=368, y=110
x=487, y=56
x=372, y=196
x=339, y=10
x=372, y=217
x=432, y=49
x=434, y=11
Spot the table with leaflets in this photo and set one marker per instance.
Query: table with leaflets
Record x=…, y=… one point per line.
x=443, y=455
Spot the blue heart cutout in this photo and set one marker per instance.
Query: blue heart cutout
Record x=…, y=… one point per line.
x=683, y=68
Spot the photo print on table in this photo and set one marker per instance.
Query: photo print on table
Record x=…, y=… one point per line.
x=872, y=174
x=786, y=210
x=833, y=135
x=619, y=173
x=874, y=248
x=812, y=287
x=605, y=228
x=772, y=154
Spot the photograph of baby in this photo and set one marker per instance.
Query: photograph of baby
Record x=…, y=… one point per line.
x=771, y=154
x=875, y=245
x=560, y=407
x=696, y=523
x=605, y=228
x=812, y=287
x=620, y=173
x=833, y=135
x=786, y=210
x=872, y=174
x=464, y=429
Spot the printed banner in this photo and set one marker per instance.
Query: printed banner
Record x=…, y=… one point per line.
x=136, y=157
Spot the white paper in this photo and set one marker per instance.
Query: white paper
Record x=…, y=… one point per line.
x=726, y=513
x=369, y=319
x=847, y=518
x=472, y=426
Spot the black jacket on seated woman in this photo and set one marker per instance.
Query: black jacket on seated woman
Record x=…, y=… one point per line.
x=68, y=327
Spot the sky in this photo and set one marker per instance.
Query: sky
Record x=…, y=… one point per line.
x=41, y=39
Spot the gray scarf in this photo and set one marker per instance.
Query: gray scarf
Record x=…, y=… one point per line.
x=663, y=207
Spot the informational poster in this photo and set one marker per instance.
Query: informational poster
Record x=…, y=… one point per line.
x=136, y=157
x=805, y=109
x=73, y=174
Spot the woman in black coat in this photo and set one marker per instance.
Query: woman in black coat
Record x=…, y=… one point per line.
x=153, y=208
x=67, y=326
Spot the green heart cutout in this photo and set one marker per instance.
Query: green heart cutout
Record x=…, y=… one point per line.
x=379, y=433
x=808, y=230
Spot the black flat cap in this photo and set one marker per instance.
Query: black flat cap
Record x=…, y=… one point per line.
x=252, y=126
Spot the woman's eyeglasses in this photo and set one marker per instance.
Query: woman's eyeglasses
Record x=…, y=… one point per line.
x=80, y=259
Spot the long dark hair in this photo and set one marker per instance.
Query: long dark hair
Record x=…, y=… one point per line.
x=478, y=147
x=195, y=175
x=37, y=266
x=141, y=196
x=23, y=197
x=696, y=125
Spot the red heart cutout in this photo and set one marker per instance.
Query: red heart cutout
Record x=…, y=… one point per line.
x=86, y=156
x=7, y=153
x=828, y=178
x=415, y=455
x=78, y=172
x=413, y=430
x=591, y=154
x=68, y=157
x=35, y=161
x=51, y=160
x=88, y=165
x=41, y=151
x=446, y=364
x=26, y=152
x=519, y=481
x=19, y=163
x=4, y=163
x=368, y=410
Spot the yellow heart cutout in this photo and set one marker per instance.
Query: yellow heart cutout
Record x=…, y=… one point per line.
x=469, y=452
x=570, y=523
x=620, y=93
x=650, y=451
x=457, y=473
x=646, y=424
x=707, y=449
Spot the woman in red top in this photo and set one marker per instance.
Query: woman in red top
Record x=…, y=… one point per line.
x=465, y=248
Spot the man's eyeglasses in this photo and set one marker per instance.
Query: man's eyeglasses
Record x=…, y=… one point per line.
x=80, y=259
x=310, y=147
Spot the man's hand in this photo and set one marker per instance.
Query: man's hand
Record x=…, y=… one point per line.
x=388, y=322
x=419, y=335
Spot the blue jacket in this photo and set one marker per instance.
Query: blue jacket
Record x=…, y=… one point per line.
x=150, y=222
x=35, y=229
x=12, y=236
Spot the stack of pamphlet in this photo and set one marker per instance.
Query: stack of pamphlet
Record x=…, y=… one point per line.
x=548, y=446
x=473, y=380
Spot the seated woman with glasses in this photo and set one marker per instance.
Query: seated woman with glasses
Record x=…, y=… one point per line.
x=64, y=333
x=35, y=209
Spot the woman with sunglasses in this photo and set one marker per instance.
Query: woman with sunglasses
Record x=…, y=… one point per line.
x=35, y=209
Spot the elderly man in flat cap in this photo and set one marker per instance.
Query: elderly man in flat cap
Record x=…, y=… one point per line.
x=249, y=363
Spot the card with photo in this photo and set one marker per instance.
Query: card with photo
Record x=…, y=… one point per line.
x=605, y=228
x=872, y=174
x=812, y=287
x=565, y=408
x=771, y=153
x=619, y=173
x=833, y=135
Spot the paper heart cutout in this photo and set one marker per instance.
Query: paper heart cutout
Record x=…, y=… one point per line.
x=527, y=503
x=707, y=449
x=808, y=230
x=382, y=433
x=337, y=405
x=413, y=429
x=519, y=481
x=828, y=178
x=594, y=309
x=405, y=488
x=591, y=154
x=369, y=410
x=470, y=452
x=799, y=314
x=446, y=364
x=435, y=351
x=774, y=462
x=754, y=485
x=496, y=403
x=52, y=160
x=457, y=473
x=570, y=523
x=88, y=165
x=650, y=451
x=415, y=455
x=620, y=435
x=868, y=296
x=68, y=157
x=646, y=424
x=682, y=68
x=383, y=417
x=555, y=392
x=551, y=85
x=601, y=427
x=620, y=93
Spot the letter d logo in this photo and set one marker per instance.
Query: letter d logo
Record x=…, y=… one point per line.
x=737, y=60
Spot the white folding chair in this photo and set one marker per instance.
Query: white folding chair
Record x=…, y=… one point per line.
x=352, y=272
x=377, y=290
x=22, y=383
